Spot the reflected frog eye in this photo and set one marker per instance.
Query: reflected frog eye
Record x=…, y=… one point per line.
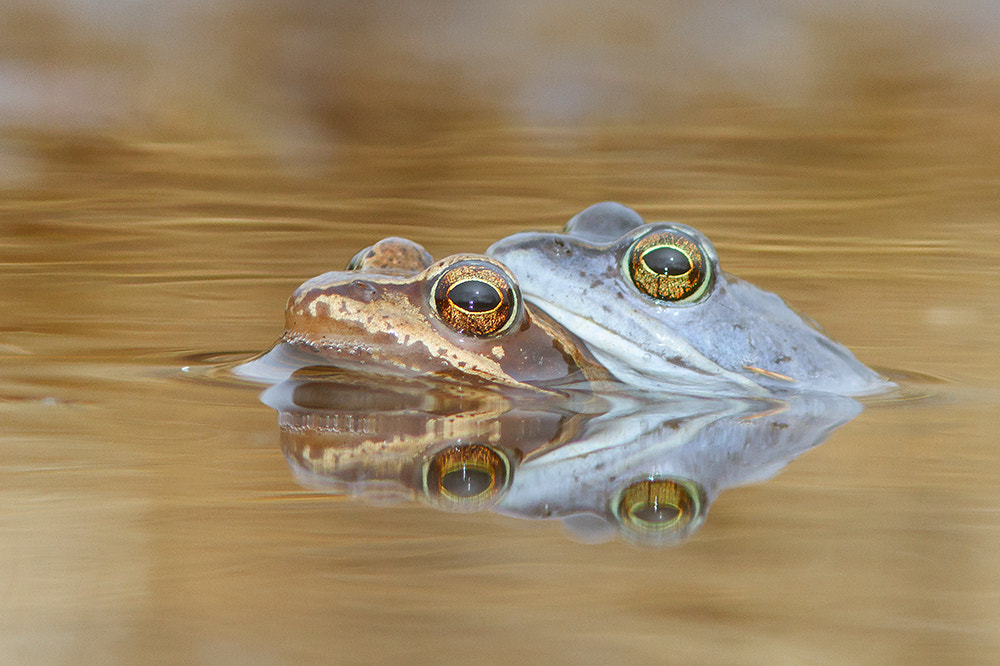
x=475, y=298
x=468, y=477
x=668, y=266
x=659, y=508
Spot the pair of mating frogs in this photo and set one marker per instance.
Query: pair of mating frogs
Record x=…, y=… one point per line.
x=609, y=299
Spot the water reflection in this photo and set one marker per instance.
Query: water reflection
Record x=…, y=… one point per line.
x=650, y=468
x=645, y=468
x=385, y=439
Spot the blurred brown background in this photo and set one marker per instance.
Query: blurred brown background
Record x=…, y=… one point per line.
x=170, y=171
x=304, y=78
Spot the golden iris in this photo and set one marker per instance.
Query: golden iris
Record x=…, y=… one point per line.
x=475, y=298
x=661, y=505
x=467, y=477
x=668, y=266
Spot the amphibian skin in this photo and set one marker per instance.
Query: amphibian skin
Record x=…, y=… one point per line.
x=655, y=308
x=393, y=312
x=455, y=446
x=650, y=470
x=645, y=467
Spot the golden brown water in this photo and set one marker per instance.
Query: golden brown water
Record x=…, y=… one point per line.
x=165, y=189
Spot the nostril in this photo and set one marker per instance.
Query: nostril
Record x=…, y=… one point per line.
x=365, y=291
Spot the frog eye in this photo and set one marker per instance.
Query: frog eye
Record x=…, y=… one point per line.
x=660, y=508
x=668, y=265
x=357, y=262
x=468, y=477
x=391, y=255
x=476, y=298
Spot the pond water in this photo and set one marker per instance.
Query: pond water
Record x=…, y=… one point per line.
x=147, y=509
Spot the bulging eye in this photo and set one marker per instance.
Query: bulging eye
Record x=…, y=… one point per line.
x=469, y=477
x=357, y=262
x=659, y=509
x=669, y=266
x=476, y=298
x=391, y=255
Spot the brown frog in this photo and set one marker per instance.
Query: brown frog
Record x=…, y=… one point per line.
x=395, y=312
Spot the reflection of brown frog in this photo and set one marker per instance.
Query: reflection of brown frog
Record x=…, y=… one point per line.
x=455, y=446
x=394, y=312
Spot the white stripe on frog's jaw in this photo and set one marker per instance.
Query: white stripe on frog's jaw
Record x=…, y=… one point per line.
x=652, y=355
x=734, y=339
x=406, y=324
x=679, y=368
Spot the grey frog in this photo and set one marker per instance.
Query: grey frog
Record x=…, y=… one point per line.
x=655, y=308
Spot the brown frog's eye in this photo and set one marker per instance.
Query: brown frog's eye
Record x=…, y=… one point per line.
x=357, y=262
x=476, y=299
x=669, y=266
x=468, y=477
x=659, y=508
x=391, y=255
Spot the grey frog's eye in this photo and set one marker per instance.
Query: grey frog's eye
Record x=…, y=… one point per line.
x=669, y=266
x=476, y=299
x=660, y=506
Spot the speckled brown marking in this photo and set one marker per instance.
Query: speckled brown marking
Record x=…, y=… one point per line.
x=392, y=255
x=389, y=322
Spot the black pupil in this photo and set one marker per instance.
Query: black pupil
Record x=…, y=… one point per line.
x=475, y=296
x=465, y=482
x=657, y=513
x=667, y=261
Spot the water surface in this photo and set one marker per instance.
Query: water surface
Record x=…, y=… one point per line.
x=148, y=515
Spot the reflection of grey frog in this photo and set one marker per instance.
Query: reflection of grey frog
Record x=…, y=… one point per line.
x=649, y=471
x=394, y=312
x=653, y=305
x=643, y=467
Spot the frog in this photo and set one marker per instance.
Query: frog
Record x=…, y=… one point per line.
x=656, y=309
x=642, y=467
x=649, y=469
x=453, y=446
x=395, y=311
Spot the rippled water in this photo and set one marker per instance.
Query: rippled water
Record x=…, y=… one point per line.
x=148, y=513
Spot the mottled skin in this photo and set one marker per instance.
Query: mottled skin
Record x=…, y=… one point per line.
x=732, y=338
x=597, y=483
x=397, y=439
x=391, y=440
x=393, y=255
x=381, y=318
